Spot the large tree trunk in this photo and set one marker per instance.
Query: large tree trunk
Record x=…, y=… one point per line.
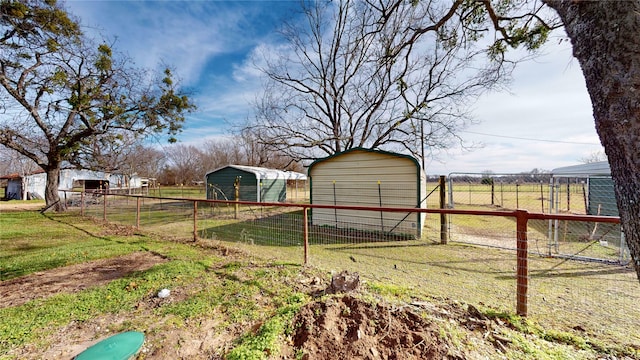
x=605, y=41
x=51, y=195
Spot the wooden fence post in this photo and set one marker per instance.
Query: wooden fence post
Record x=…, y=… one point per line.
x=443, y=217
x=522, y=261
x=82, y=203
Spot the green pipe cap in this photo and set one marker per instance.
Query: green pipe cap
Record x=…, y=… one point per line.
x=117, y=347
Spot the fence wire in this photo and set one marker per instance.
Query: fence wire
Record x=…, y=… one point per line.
x=597, y=296
x=540, y=193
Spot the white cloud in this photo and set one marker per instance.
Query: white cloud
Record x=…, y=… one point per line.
x=548, y=99
x=181, y=34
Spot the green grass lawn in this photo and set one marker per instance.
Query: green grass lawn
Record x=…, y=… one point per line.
x=31, y=242
x=259, y=290
x=25, y=248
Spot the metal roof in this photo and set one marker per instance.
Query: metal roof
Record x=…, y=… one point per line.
x=370, y=151
x=594, y=168
x=265, y=173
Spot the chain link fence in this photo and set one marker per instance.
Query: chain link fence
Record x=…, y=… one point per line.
x=542, y=193
x=595, y=296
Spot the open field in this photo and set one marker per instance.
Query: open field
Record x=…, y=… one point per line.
x=242, y=303
x=299, y=194
x=529, y=196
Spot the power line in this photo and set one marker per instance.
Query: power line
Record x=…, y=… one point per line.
x=530, y=139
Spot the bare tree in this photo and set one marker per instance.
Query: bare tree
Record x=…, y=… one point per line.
x=595, y=156
x=15, y=163
x=258, y=153
x=605, y=43
x=108, y=153
x=356, y=75
x=146, y=161
x=221, y=152
x=185, y=162
x=243, y=149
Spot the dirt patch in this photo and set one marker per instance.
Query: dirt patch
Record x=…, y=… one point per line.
x=349, y=328
x=73, y=278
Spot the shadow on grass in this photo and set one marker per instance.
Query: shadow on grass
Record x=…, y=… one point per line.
x=82, y=244
x=286, y=229
x=581, y=231
x=86, y=232
x=16, y=272
x=611, y=270
x=477, y=262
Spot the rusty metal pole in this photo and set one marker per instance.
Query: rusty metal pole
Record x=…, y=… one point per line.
x=104, y=206
x=195, y=220
x=236, y=185
x=523, y=266
x=138, y=213
x=443, y=217
x=306, y=235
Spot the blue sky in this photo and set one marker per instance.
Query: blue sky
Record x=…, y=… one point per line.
x=544, y=121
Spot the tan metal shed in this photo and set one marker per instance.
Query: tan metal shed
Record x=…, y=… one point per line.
x=372, y=178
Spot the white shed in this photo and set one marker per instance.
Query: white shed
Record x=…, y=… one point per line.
x=33, y=185
x=371, y=178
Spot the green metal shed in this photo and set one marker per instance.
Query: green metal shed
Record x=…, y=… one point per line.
x=256, y=183
x=600, y=193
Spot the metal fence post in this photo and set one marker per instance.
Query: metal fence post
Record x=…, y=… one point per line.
x=138, y=213
x=104, y=206
x=522, y=260
x=306, y=234
x=82, y=203
x=236, y=185
x=443, y=217
x=195, y=220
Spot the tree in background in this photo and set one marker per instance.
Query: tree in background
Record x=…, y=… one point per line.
x=61, y=94
x=220, y=152
x=595, y=156
x=188, y=163
x=260, y=154
x=12, y=162
x=605, y=43
x=360, y=74
x=184, y=161
x=604, y=35
x=146, y=161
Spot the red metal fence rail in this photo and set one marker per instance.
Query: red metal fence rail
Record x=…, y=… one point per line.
x=521, y=218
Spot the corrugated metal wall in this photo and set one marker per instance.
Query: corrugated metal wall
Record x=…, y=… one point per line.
x=273, y=190
x=220, y=185
x=367, y=178
x=602, y=195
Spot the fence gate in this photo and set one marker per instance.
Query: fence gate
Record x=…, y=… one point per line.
x=539, y=193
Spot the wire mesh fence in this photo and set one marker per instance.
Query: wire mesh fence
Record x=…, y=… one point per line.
x=541, y=193
x=590, y=295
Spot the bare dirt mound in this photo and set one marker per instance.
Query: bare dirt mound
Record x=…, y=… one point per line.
x=350, y=328
x=73, y=278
